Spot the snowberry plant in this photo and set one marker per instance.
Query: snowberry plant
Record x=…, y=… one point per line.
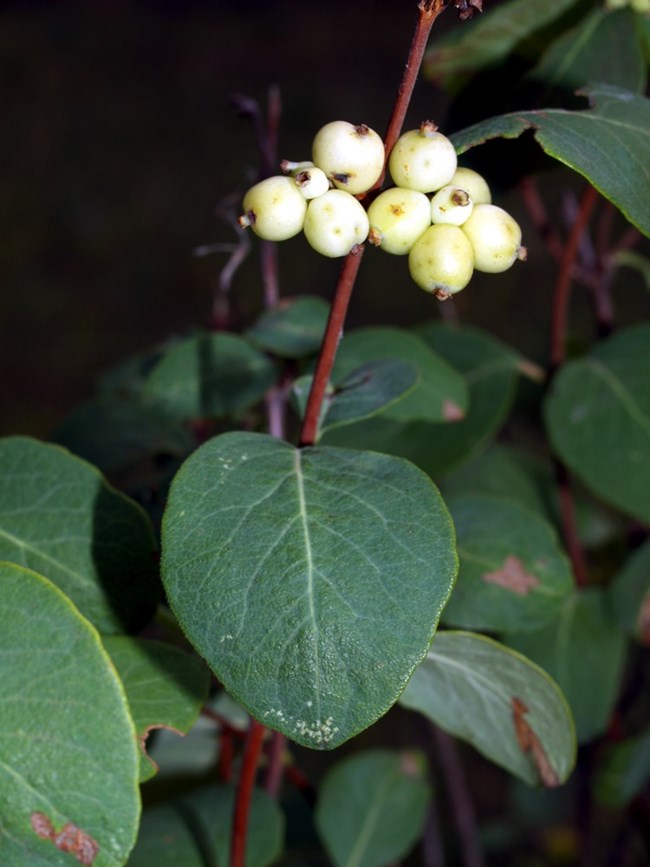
x=331, y=535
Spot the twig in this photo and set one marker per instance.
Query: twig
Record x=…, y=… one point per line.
x=244, y=793
x=433, y=851
x=562, y=291
x=333, y=333
x=461, y=802
x=537, y=210
x=428, y=11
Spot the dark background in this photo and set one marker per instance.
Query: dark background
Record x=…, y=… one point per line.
x=119, y=142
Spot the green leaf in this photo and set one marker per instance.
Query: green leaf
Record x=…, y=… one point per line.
x=609, y=144
x=489, y=38
x=209, y=376
x=361, y=394
x=500, y=471
x=293, y=329
x=584, y=654
x=490, y=370
x=371, y=808
x=166, y=688
x=624, y=771
x=636, y=261
x=59, y=517
x=441, y=393
x=116, y=435
x=629, y=595
x=598, y=419
x=513, y=574
x=467, y=685
x=195, y=831
x=311, y=580
x=605, y=47
x=68, y=749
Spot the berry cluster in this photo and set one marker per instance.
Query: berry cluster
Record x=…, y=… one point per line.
x=441, y=215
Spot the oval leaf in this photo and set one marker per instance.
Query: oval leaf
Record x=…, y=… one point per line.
x=441, y=393
x=513, y=575
x=59, y=517
x=488, y=38
x=371, y=808
x=609, y=144
x=293, y=329
x=585, y=654
x=209, y=376
x=195, y=831
x=604, y=46
x=475, y=688
x=311, y=580
x=165, y=686
x=68, y=755
x=629, y=595
x=361, y=394
x=598, y=418
x=623, y=771
x=490, y=370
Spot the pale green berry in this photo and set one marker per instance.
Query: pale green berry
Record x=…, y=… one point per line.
x=397, y=219
x=274, y=209
x=441, y=261
x=474, y=184
x=451, y=206
x=423, y=159
x=335, y=223
x=312, y=182
x=616, y=4
x=642, y=6
x=351, y=156
x=495, y=237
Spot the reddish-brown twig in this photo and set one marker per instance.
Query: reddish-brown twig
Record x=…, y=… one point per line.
x=244, y=793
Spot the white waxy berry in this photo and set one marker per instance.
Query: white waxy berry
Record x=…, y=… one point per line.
x=441, y=261
x=495, y=237
x=397, y=219
x=290, y=167
x=451, y=206
x=423, y=159
x=335, y=223
x=351, y=156
x=474, y=184
x=274, y=209
x=312, y=182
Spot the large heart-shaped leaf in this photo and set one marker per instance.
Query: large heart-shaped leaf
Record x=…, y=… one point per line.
x=311, y=580
x=68, y=753
x=195, y=831
x=165, y=687
x=209, y=376
x=371, y=808
x=609, y=144
x=513, y=574
x=598, y=418
x=59, y=517
x=490, y=696
x=585, y=654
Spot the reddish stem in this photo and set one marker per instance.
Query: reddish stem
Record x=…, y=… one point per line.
x=333, y=334
x=569, y=526
x=428, y=11
x=562, y=292
x=244, y=793
x=537, y=210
